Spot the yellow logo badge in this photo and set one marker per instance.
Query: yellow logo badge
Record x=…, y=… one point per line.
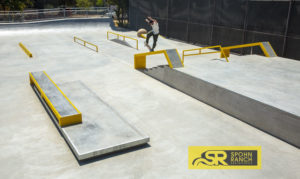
x=224, y=157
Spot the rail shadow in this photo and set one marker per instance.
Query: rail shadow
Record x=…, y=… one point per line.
x=122, y=43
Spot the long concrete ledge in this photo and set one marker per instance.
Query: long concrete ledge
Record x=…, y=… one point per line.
x=102, y=131
x=272, y=120
x=63, y=109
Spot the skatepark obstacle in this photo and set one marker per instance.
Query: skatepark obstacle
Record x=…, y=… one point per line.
x=85, y=42
x=124, y=37
x=171, y=55
x=59, y=104
x=25, y=50
x=202, y=53
x=266, y=48
x=225, y=51
x=85, y=139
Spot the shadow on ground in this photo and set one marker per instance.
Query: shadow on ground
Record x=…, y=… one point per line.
x=122, y=43
x=218, y=59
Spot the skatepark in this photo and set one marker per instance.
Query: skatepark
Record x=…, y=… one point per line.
x=138, y=122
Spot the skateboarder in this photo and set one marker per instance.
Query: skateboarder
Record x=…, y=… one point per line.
x=154, y=32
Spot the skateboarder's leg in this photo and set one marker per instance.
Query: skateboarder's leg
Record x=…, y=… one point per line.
x=155, y=37
x=148, y=37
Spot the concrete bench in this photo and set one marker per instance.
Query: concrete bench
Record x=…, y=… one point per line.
x=58, y=103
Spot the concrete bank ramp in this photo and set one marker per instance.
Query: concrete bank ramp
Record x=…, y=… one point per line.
x=174, y=58
x=273, y=120
x=269, y=49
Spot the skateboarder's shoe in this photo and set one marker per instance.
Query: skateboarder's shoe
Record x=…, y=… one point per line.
x=151, y=50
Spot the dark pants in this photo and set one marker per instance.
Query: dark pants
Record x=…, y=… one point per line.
x=155, y=37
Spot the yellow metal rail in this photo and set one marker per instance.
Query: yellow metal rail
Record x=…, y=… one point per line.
x=199, y=52
x=124, y=37
x=260, y=44
x=85, y=42
x=225, y=51
x=140, y=58
x=62, y=121
x=25, y=50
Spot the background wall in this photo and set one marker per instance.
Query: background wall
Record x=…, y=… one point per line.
x=225, y=22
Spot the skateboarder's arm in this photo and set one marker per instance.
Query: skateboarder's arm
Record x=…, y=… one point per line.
x=151, y=19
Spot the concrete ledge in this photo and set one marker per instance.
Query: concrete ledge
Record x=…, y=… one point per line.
x=274, y=121
x=103, y=129
x=63, y=109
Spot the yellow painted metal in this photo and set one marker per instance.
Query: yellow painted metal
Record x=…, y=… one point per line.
x=85, y=42
x=180, y=58
x=140, y=59
x=272, y=48
x=143, y=36
x=62, y=121
x=222, y=52
x=25, y=50
x=124, y=37
x=260, y=44
x=168, y=59
x=225, y=51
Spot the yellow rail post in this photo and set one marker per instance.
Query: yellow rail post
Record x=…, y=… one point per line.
x=200, y=51
x=85, y=42
x=124, y=37
x=25, y=50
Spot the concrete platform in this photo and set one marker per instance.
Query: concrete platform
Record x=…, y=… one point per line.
x=31, y=145
x=251, y=91
x=102, y=130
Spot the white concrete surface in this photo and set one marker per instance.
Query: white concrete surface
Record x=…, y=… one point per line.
x=31, y=146
x=273, y=81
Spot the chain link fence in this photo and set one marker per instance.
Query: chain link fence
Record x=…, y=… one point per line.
x=57, y=13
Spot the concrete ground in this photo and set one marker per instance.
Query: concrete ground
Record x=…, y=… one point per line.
x=31, y=146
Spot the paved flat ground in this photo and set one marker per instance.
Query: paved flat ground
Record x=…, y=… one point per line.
x=31, y=146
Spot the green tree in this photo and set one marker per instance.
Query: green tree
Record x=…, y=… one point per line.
x=83, y=3
x=99, y=3
x=121, y=11
x=15, y=5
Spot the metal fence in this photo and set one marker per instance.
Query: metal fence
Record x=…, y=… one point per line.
x=47, y=14
x=225, y=22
